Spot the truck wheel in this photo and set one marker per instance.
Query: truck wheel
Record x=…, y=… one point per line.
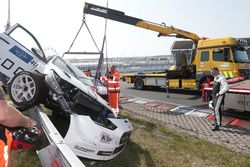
x=24, y=89
x=139, y=84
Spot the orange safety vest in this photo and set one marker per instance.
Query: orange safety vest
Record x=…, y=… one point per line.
x=113, y=84
x=116, y=76
x=114, y=91
x=5, y=145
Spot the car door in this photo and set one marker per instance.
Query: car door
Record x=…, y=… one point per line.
x=19, y=51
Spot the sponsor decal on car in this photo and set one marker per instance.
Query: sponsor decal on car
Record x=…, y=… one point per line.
x=83, y=149
x=105, y=138
x=21, y=54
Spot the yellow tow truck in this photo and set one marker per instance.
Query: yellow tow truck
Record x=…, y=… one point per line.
x=228, y=54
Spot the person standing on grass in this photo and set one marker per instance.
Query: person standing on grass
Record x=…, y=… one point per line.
x=113, y=88
x=220, y=87
x=10, y=117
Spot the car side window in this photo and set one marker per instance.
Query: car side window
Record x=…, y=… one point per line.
x=28, y=41
x=23, y=38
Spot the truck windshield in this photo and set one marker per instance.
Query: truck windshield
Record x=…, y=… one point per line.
x=240, y=55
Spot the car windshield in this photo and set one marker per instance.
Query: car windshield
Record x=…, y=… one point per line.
x=98, y=82
x=240, y=55
x=64, y=65
x=87, y=81
x=90, y=81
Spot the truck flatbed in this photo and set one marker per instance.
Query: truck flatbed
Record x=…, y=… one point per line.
x=242, y=86
x=237, y=97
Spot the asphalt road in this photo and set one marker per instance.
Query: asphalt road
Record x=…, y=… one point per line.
x=190, y=98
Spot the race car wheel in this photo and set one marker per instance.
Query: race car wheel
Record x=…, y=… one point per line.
x=25, y=88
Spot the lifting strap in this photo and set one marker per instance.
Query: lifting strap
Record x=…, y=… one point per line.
x=83, y=23
x=104, y=43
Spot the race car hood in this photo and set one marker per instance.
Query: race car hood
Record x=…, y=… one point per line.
x=92, y=139
x=44, y=69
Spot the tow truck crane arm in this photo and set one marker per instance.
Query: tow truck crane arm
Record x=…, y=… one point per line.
x=120, y=16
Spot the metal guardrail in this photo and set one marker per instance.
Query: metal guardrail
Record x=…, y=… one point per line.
x=57, y=153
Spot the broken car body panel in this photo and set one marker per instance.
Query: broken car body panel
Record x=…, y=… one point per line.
x=93, y=124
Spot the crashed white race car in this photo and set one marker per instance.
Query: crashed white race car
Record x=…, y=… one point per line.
x=95, y=131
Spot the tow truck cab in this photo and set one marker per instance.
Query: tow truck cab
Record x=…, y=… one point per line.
x=228, y=54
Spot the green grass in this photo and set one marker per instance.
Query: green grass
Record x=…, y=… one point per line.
x=25, y=158
x=153, y=145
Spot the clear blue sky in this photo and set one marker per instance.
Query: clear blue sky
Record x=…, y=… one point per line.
x=55, y=22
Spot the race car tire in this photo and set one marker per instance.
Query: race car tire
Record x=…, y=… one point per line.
x=25, y=89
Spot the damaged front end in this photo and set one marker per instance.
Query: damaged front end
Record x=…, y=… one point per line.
x=95, y=131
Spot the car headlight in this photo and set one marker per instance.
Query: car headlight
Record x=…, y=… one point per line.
x=52, y=80
x=106, y=123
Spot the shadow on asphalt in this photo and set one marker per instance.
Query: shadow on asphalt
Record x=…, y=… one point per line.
x=196, y=93
x=190, y=98
x=202, y=106
x=177, y=91
x=237, y=114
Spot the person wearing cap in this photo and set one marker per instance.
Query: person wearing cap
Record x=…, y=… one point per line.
x=220, y=87
x=10, y=117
